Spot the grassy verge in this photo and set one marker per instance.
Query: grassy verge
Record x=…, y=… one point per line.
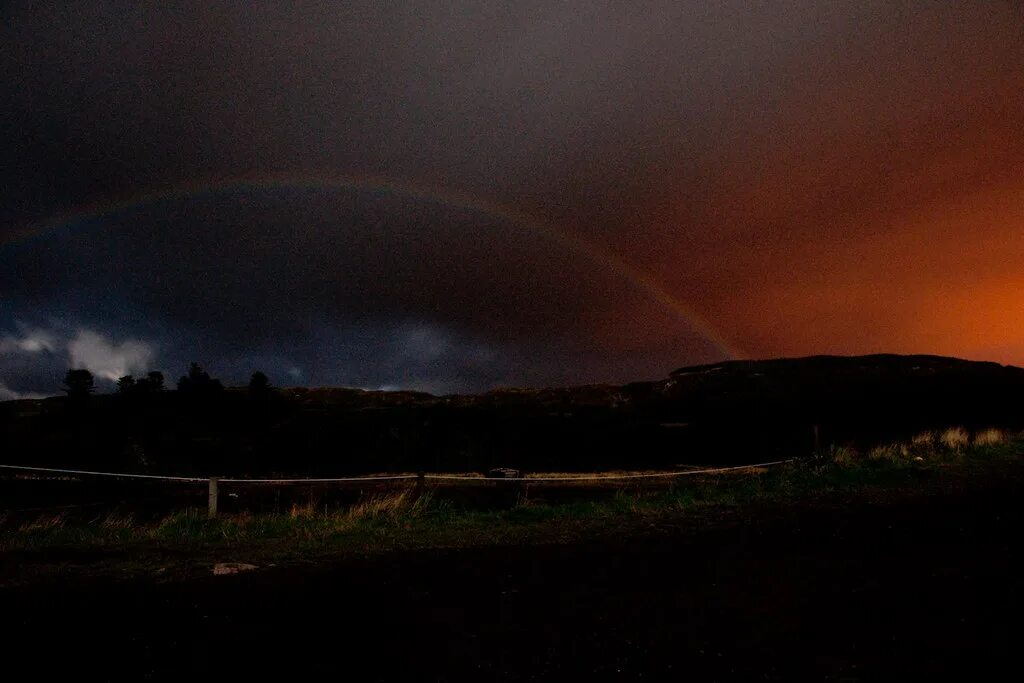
x=400, y=519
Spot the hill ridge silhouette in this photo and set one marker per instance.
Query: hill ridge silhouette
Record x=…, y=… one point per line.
x=721, y=413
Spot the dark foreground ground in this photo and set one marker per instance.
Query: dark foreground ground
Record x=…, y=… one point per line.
x=927, y=585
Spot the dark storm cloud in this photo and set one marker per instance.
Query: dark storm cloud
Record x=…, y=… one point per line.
x=333, y=285
x=558, y=104
x=756, y=159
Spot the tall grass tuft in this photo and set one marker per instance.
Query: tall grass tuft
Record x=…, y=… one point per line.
x=925, y=441
x=895, y=453
x=44, y=523
x=989, y=437
x=303, y=510
x=117, y=522
x=389, y=506
x=844, y=456
x=191, y=523
x=954, y=439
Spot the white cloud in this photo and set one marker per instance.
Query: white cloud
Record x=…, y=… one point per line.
x=30, y=340
x=104, y=358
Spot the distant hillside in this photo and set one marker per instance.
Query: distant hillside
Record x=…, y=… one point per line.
x=725, y=412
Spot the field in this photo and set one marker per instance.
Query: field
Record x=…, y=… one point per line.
x=849, y=586
x=898, y=562
x=160, y=526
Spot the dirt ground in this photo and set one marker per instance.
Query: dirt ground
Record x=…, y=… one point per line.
x=855, y=589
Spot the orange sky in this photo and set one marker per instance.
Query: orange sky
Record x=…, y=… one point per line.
x=876, y=205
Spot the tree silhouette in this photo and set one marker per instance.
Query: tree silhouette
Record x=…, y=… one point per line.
x=259, y=383
x=198, y=382
x=260, y=397
x=156, y=380
x=126, y=384
x=79, y=383
x=151, y=383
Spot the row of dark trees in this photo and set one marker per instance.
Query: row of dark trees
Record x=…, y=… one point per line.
x=79, y=383
x=151, y=383
x=199, y=383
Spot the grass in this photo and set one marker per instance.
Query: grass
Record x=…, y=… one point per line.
x=955, y=439
x=402, y=519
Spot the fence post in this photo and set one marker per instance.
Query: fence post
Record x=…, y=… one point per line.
x=817, y=440
x=421, y=484
x=212, y=498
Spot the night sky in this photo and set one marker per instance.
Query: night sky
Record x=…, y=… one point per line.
x=454, y=196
